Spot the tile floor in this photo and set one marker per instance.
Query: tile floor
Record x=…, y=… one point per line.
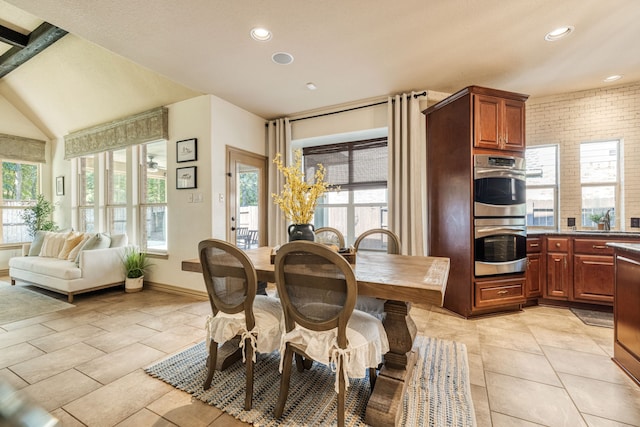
x=541, y=366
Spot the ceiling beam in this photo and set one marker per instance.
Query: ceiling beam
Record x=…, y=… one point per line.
x=12, y=37
x=39, y=39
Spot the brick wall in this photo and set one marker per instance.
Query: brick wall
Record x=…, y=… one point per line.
x=590, y=115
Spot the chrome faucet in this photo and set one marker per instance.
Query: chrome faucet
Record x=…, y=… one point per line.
x=606, y=220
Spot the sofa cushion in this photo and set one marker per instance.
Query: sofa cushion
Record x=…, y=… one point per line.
x=54, y=267
x=73, y=254
x=36, y=245
x=97, y=241
x=72, y=240
x=119, y=240
x=53, y=243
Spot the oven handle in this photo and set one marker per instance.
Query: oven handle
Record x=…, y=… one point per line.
x=491, y=173
x=488, y=231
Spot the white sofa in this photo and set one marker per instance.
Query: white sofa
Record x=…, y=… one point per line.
x=90, y=270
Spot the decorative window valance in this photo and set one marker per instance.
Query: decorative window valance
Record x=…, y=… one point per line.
x=151, y=125
x=20, y=148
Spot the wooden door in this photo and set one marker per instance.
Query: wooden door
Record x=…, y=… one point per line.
x=593, y=278
x=487, y=121
x=557, y=276
x=513, y=125
x=535, y=276
x=246, y=198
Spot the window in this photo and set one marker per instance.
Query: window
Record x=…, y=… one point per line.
x=117, y=191
x=153, y=197
x=599, y=180
x=86, y=194
x=20, y=189
x=360, y=169
x=542, y=186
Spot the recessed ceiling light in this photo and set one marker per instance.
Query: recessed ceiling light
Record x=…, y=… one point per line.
x=260, y=34
x=311, y=86
x=558, y=33
x=612, y=78
x=282, y=58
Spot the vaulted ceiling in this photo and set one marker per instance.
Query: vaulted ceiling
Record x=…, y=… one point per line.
x=350, y=49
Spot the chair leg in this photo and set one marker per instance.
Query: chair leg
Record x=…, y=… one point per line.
x=284, y=381
x=248, y=400
x=211, y=363
x=341, y=398
x=373, y=375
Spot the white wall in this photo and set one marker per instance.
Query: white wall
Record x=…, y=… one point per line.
x=216, y=123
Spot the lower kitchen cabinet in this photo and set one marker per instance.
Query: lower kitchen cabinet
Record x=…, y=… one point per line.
x=536, y=273
x=593, y=278
x=495, y=293
x=558, y=276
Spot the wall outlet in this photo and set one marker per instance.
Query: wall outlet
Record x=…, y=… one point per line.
x=571, y=222
x=635, y=222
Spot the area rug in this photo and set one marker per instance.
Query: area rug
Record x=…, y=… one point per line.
x=439, y=393
x=19, y=303
x=594, y=317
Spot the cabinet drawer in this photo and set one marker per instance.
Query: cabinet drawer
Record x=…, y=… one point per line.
x=534, y=244
x=558, y=244
x=496, y=293
x=592, y=246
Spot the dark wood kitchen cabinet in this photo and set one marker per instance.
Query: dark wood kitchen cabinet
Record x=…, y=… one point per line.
x=536, y=277
x=472, y=121
x=499, y=123
x=559, y=277
x=626, y=342
x=592, y=271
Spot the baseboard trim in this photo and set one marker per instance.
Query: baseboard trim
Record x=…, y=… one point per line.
x=176, y=290
x=4, y=272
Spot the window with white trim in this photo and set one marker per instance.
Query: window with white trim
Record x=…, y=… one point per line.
x=20, y=188
x=359, y=168
x=599, y=179
x=87, y=193
x=152, y=235
x=116, y=207
x=542, y=186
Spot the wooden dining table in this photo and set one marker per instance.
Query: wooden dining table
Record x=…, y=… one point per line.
x=401, y=280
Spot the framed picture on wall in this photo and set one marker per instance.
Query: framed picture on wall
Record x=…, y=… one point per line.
x=187, y=150
x=186, y=177
x=60, y=186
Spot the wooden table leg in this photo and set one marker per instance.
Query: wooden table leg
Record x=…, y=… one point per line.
x=385, y=403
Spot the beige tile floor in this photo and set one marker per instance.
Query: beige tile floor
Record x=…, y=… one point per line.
x=541, y=366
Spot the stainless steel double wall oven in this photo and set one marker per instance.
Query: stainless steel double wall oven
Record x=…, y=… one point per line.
x=499, y=214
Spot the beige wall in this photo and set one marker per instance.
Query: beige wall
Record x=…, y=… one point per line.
x=591, y=115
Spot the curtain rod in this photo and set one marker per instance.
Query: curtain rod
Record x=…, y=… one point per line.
x=416, y=95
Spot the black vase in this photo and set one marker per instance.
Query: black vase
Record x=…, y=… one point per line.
x=301, y=232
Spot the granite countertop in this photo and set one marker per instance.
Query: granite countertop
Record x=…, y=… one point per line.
x=631, y=247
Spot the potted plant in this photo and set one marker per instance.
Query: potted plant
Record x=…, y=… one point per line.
x=38, y=216
x=136, y=264
x=597, y=218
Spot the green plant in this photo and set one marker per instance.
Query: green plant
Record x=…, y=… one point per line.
x=136, y=263
x=38, y=216
x=596, y=217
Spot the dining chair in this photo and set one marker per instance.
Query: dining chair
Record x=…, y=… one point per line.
x=330, y=235
x=231, y=283
x=318, y=289
x=378, y=240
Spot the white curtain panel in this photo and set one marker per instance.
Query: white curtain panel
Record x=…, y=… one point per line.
x=407, y=173
x=278, y=141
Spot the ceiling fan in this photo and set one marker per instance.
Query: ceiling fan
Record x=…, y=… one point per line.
x=151, y=165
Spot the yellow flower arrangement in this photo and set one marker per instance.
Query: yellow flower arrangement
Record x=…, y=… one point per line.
x=298, y=198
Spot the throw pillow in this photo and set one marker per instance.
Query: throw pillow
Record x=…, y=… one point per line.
x=97, y=241
x=52, y=245
x=73, y=254
x=36, y=245
x=118, y=240
x=69, y=244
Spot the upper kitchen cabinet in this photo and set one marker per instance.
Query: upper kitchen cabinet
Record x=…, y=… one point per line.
x=498, y=119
